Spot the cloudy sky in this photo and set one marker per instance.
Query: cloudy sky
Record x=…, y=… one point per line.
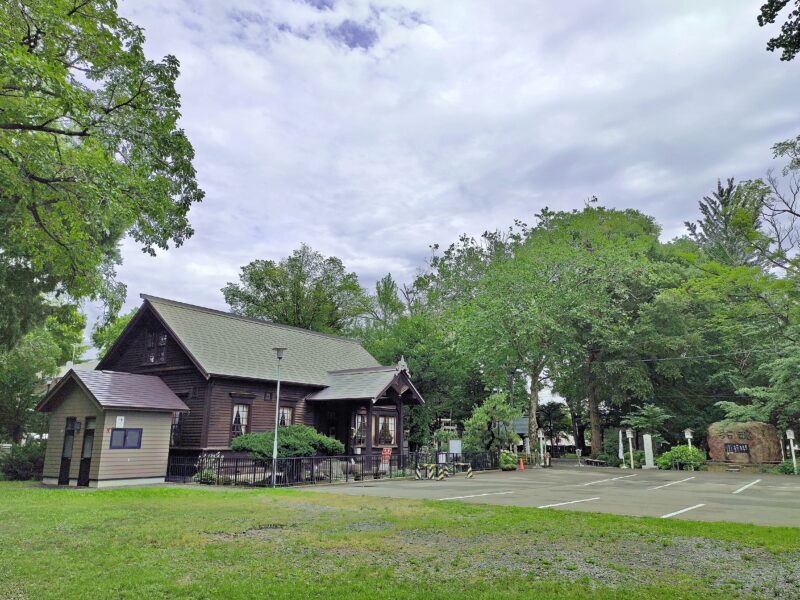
x=371, y=130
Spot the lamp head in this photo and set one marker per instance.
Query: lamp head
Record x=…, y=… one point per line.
x=279, y=352
x=629, y=433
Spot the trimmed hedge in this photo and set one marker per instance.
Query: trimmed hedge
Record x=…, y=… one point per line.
x=293, y=440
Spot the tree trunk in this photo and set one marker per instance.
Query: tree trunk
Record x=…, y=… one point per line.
x=580, y=439
x=594, y=411
x=594, y=419
x=533, y=407
x=16, y=434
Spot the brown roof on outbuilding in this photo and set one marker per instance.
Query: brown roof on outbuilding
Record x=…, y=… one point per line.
x=112, y=389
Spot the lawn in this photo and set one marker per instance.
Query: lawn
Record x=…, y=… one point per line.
x=182, y=542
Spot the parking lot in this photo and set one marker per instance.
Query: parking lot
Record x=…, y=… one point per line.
x=701, y=496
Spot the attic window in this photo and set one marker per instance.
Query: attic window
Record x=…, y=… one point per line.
x=156, y=347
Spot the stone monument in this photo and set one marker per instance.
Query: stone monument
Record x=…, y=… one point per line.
x=648, y=452
x=751, y=442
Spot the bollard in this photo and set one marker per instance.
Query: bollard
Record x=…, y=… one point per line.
x=419, y=475
x=469, y=472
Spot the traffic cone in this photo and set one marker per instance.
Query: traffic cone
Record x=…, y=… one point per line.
x=521, y=465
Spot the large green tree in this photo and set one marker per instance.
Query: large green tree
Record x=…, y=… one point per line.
x=306, y=290
x=106, y=333
x=90, y=151
x=26, y=367
x=788, y=40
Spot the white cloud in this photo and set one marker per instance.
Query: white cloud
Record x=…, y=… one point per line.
x=445, y=117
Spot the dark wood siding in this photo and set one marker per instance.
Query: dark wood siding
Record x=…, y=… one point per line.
x=261, y=398
x=130, y=357
x=177, y=371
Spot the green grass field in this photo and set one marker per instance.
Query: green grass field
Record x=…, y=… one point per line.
x=175, y=542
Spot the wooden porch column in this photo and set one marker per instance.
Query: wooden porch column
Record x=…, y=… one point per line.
x=368, y=449
x=400, y=431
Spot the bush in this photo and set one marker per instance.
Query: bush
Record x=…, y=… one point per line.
x=638, y=459
x=24, y=462
x=206, y=476
x=682, y=457
x=612, y=460
x=508, y=460
x=293, y=440
x=785, y=468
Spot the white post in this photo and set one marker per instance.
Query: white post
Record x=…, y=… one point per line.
x=790, y=437
x=541, y=447
x=279, y=352
x=629, y=433
x=688, y=434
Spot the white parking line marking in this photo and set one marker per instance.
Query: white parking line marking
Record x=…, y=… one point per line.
x=604, y=480
x=683, y=510
x=671, y=483
x=477, y=495
x=565, y=503
x=744, y=487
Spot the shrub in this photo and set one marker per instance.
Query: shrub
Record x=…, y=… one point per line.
x=611, y=459
x=206, y=476
x=638, y=459
x=508, y=460
x=682, y=457
x=784, y=468
x=293, y=440
x=24, y=461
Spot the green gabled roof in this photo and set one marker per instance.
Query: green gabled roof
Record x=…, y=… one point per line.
x=368, y=384
x=357, y=384
x=226, y=344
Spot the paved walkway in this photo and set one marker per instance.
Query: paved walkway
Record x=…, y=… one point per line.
x=701, y=496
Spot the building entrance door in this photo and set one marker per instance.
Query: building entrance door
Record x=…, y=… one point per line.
x=86, y=452
x=66, y=451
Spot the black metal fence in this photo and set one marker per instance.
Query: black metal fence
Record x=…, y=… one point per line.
x=226, y=469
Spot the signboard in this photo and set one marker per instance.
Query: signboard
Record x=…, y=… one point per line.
x=120, y=422
x=737, y=448
x=454, y=446
x=386, y=456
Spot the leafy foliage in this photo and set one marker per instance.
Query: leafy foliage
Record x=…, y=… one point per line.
x=490, y=426
x=508, y=460
x=90, y=151
x=21, y=370
x=105, y=334
x=24, y=462
x=786, y=467
x=788, y=40
x=293, y=440
x=304, y=290
x=682, y=458
x=648, y=419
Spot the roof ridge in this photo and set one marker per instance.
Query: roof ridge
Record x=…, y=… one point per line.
x=231, y=315
x=363, y=370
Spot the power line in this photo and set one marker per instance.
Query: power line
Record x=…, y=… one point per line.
x=697, y=356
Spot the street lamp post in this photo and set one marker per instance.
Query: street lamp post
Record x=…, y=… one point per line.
x=279, y=354
x=790, y=437
x=688, y=434
x=629, y=434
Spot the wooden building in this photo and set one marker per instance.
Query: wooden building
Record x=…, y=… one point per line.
x=224, y=368
x=108, y=429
